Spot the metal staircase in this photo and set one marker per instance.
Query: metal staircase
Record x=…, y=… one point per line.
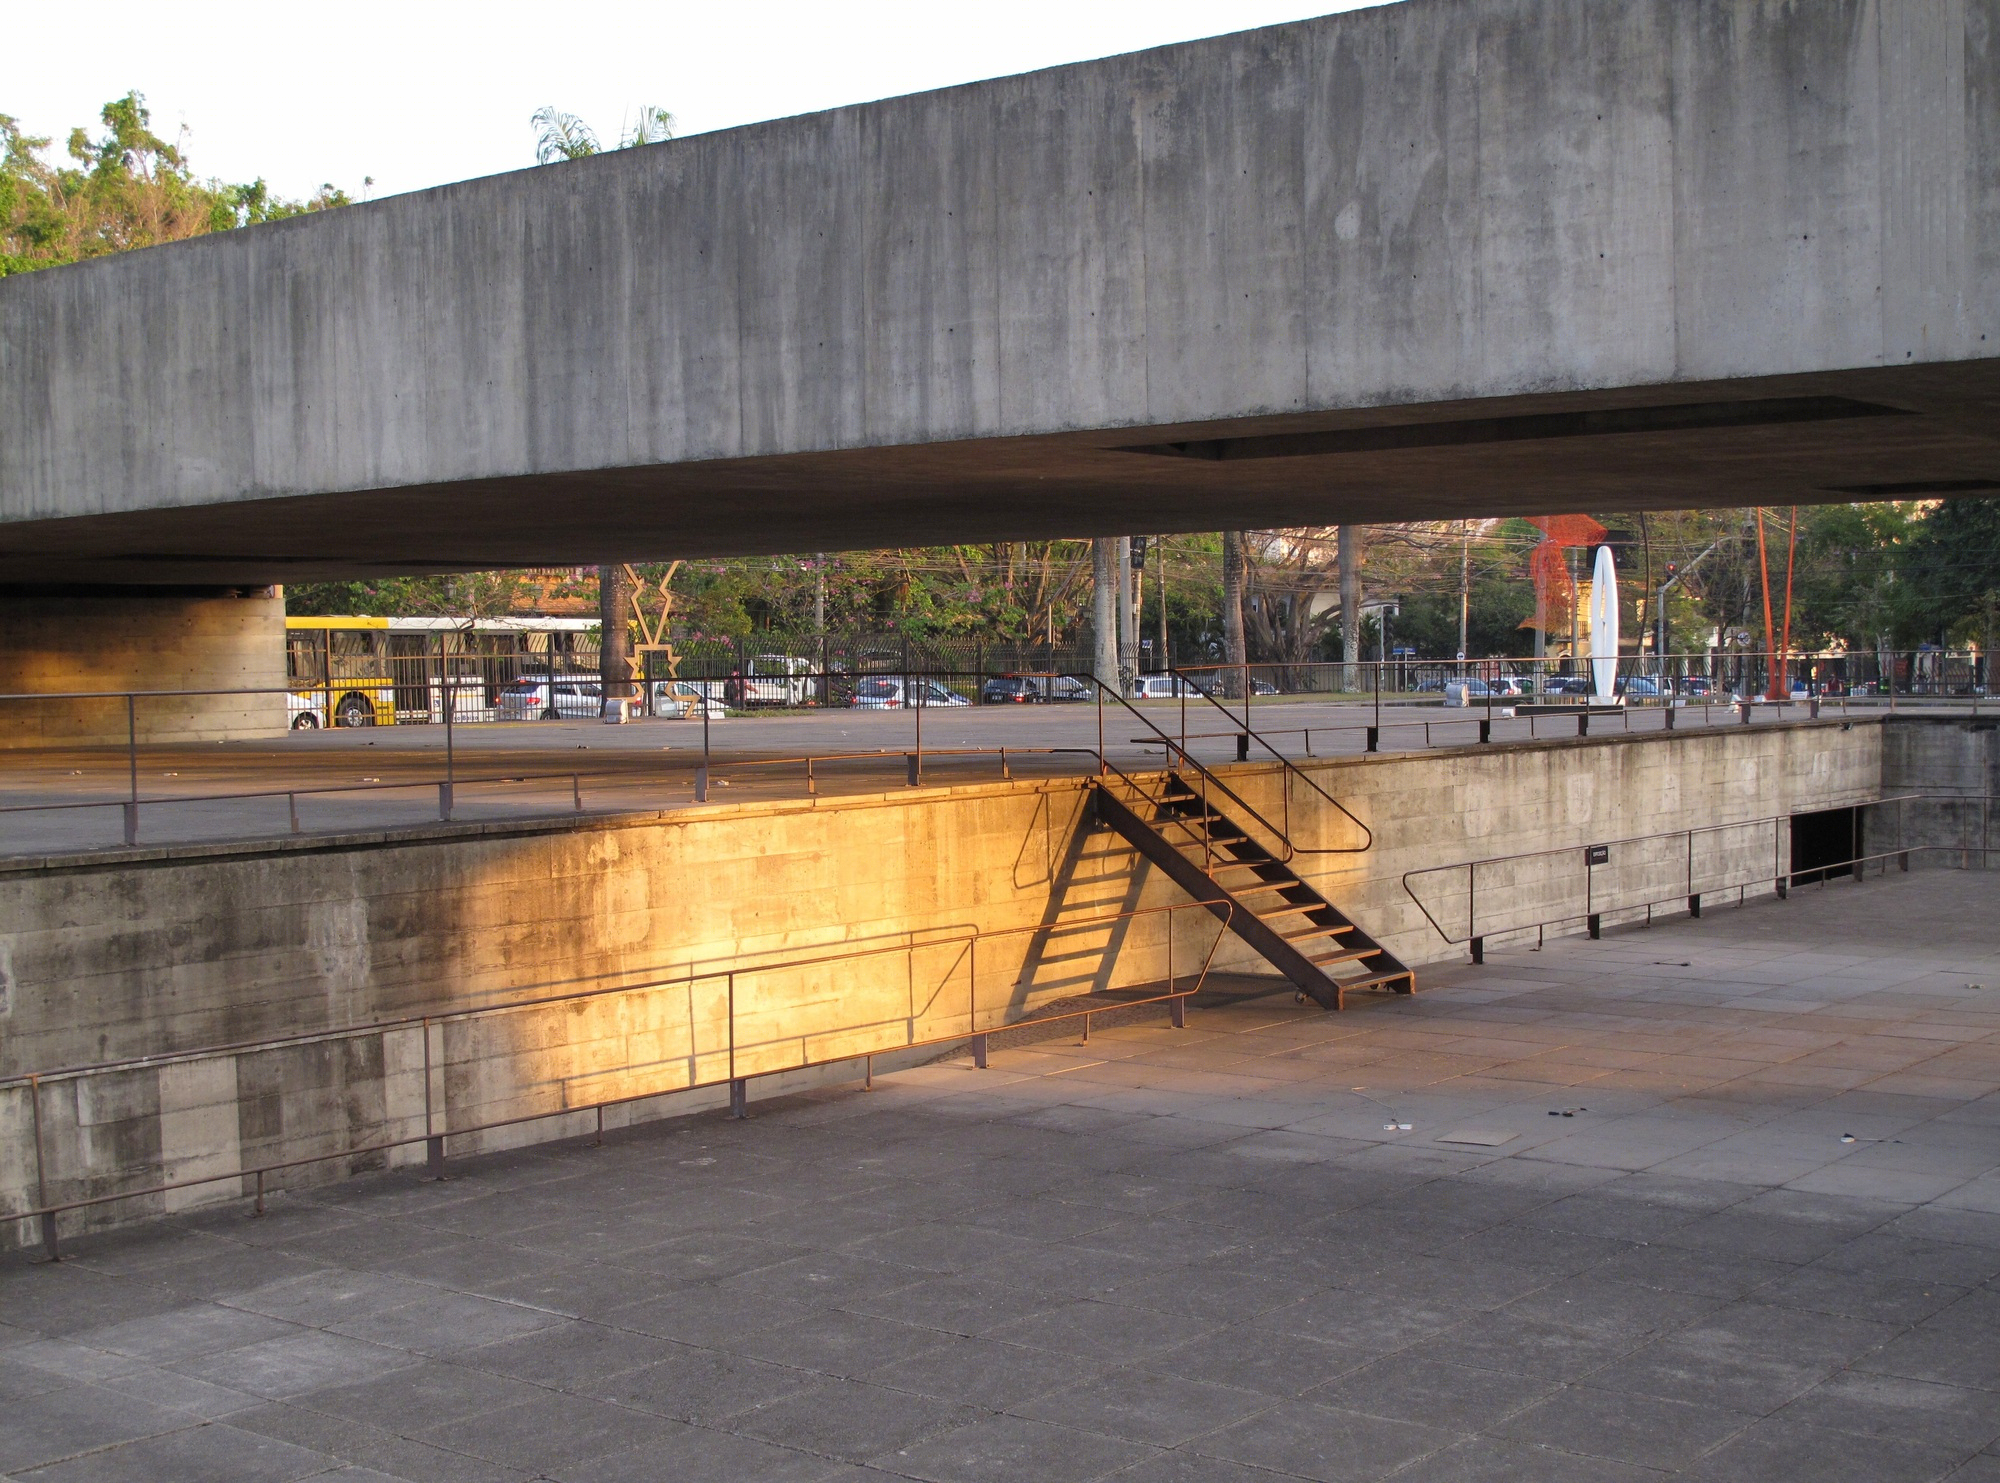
x=1196, y=830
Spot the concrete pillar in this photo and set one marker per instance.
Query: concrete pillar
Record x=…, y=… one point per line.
x=1349, y=552
x=1128, y=615
x=1104, y=607
x=1234, y=650
x=614, y=653
x=56, y=640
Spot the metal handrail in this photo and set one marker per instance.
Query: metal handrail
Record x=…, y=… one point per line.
x=1209, y=779
x=737, y=1080
x=1777, y=873
x=1291, y=769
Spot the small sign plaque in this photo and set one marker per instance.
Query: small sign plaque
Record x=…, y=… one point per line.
x=1597, y=854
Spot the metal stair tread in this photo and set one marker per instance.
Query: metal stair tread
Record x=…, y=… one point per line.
x=1201, y=850
x=1373, y=980
x=1317, y=931
x=1341, y=955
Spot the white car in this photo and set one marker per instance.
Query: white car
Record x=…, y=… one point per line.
x=1163, y=687
x=894, y=692
x=774, y=679
x=558, y=700
x=684, y=700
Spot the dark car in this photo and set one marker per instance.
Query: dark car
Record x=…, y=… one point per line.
x=1009, y=690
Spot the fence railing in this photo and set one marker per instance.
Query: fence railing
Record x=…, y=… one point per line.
x=733, y=1023
x=1472, y=901
x=1231, y=694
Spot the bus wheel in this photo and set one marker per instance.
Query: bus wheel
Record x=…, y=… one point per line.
x=549, y=714
x=305, y=721
x=354, y=711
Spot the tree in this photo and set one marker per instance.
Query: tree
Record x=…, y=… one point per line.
x=1951, y=566
x=127, y=188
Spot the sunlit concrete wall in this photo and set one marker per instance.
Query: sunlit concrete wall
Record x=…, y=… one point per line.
x=65, y=642
x=679, y=917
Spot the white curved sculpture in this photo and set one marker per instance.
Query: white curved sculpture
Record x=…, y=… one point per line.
x=1604, y=626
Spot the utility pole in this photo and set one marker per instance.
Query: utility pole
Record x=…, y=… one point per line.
x=1160, y=559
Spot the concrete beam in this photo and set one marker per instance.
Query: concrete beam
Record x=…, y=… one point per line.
x=1767, y=235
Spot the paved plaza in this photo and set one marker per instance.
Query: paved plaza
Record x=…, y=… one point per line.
x=1713, y=1200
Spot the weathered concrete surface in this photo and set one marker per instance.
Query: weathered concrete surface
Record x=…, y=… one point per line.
x=1166, y=1254
x=66, y=641
x=109, y=962
x=944, y=316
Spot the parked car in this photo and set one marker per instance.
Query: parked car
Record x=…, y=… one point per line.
x=1163, y=687
x=1639, y=687
x=1058, y=689
x=683, y=700
x=1697, y=686
x=1010, y=690
x=773, y=679
x=1568, y=685
x=894, y=692
x=545, y=700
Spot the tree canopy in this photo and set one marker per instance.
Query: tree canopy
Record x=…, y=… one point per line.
x=126, y=188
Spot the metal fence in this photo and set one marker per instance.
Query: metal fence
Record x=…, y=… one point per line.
x=562, y=682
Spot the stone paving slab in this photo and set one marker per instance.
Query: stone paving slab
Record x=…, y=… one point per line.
x=1162, y=1257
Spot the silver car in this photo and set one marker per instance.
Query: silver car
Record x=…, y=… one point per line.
x=557, y=700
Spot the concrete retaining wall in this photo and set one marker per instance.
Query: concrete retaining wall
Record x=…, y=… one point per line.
x=141, y=640
x=211, y=947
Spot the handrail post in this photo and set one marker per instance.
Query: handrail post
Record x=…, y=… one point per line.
x=50, y=1245
x=433, y=1140
x=132, y=765
x=1100, y=725
x=739, y=1091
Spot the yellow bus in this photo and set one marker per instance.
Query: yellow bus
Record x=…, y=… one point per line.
x=383, y=671
x=339, y=673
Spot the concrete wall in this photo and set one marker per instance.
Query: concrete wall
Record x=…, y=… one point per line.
x=1935, y=755
x=111, y=960
x=1416, y=203
x=140, y=640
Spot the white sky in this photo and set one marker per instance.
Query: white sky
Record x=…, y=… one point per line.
x=422, y=92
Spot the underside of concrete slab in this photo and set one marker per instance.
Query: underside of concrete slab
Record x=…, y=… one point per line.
x=1427, y=260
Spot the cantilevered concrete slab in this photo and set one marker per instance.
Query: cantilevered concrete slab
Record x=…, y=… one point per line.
x=1433, y=259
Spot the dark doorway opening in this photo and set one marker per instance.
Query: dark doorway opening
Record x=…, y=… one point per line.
x=1825, y=844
